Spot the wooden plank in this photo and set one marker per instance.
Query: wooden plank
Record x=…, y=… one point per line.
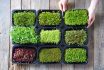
x=26, y=4
x=96, y=40
x=90, y=64
x=87, y=3
x=39, y=4
x=54, y=4
x=34, y=67
x=15, y=4
x=99, y=38
x=79, y=4
x=0, y=27
x=79, y=67
x=71, y=4
x=68, y=67
x=4, y=36
x=54, y=67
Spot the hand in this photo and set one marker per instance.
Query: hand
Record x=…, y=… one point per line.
x=63, y=5
x=91, y=17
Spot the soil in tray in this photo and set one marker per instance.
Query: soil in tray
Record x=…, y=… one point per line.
x=24, y=54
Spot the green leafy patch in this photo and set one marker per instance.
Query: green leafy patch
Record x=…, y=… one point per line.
x=50, y=55
x=50, y=36
x=24, y=18
x=75, y=37
x=75, y=55
x=49, y=18
x=24, y=35
x=76, y=17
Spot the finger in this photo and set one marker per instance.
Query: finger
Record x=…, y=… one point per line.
x=89, y=25
x=60, y=6
x=90, y=22
x=64, y=6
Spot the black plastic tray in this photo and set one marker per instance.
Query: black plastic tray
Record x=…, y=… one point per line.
x=85, y=26
x=46, y=10
x=76, y=62
x=62, y=45
x=26, y=47
x=15, y=11
x=43, y=47
x=35, y=44
x=43, y=44
x=69, y=29
x=38, y=49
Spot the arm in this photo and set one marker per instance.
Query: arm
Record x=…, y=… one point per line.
x=93, y=5
x=91, y=11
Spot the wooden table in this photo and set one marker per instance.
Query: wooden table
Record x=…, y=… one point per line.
x=96, y=35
